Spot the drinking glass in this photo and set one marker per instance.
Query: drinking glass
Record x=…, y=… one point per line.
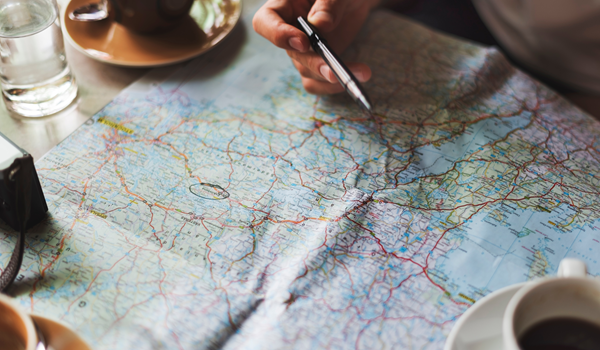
x=34, y=74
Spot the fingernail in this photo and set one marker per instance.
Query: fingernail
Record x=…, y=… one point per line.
x=296, y=44
x=326, y=72
x=360, y=76
x=322, y=17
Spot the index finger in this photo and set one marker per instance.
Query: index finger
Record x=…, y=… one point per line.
x=269, y=22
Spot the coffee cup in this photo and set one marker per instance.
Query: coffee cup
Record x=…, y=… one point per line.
x=17, y=330
x=555, y=313
x=148, y=16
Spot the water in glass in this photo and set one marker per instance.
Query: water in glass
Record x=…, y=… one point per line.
x=35, y=77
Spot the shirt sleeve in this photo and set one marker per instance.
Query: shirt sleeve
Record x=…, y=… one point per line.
x=556, y=38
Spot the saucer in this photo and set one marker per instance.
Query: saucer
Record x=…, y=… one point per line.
x=480, y=328
x=209, y=22
x=58, y=336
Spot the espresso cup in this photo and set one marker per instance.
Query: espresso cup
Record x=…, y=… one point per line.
x=17, y=331
x=542, y=311
x=148, y=16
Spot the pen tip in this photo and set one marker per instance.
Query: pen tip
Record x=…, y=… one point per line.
x=366, y=105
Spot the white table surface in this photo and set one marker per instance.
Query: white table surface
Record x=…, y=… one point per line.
x=98, y=84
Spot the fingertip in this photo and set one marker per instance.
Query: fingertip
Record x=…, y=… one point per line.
x=316, y=87
x=271, y=25
x=297, y=44
x=362, y=72
x=322, y=20
x=327, y=73
x=363, y=76
x=289, y=38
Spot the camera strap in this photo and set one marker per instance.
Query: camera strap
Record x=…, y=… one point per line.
x=17, y=179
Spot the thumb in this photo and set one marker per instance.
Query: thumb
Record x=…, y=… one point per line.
x=327, y=14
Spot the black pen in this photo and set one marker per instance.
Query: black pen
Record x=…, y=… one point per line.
x=342, y=73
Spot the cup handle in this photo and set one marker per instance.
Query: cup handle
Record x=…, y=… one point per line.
x=572, y=268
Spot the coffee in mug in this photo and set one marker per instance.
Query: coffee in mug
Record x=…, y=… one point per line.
x=560, y=313
x=561, y=333
x=148, y=16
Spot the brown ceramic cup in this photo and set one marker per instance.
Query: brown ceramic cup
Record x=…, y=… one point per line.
x=17, y=331
x=148, y=16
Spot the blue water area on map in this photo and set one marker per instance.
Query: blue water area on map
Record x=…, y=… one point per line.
x=439, y=159
x=73, y=258
x=497, y=247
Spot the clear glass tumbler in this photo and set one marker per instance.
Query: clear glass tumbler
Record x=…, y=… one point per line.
x=34, y=74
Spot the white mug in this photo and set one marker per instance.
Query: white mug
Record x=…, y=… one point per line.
x=17, y=330
x=570, y=295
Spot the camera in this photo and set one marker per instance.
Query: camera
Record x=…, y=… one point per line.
x=21, y=196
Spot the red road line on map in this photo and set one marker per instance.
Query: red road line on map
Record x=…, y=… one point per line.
x=174, y=238
x=119, y=281
x=479, y=206
x=177, y=339
x=527, y=249
x=52, y=261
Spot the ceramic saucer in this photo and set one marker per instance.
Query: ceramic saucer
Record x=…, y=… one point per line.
x=210, y=21
x=58, y=336
x=480, y=328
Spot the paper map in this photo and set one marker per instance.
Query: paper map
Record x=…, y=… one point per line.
x=227, y=208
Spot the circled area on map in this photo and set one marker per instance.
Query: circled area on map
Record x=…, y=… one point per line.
x=209, y=191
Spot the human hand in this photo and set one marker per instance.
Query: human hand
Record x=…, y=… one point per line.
x=339, y=20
